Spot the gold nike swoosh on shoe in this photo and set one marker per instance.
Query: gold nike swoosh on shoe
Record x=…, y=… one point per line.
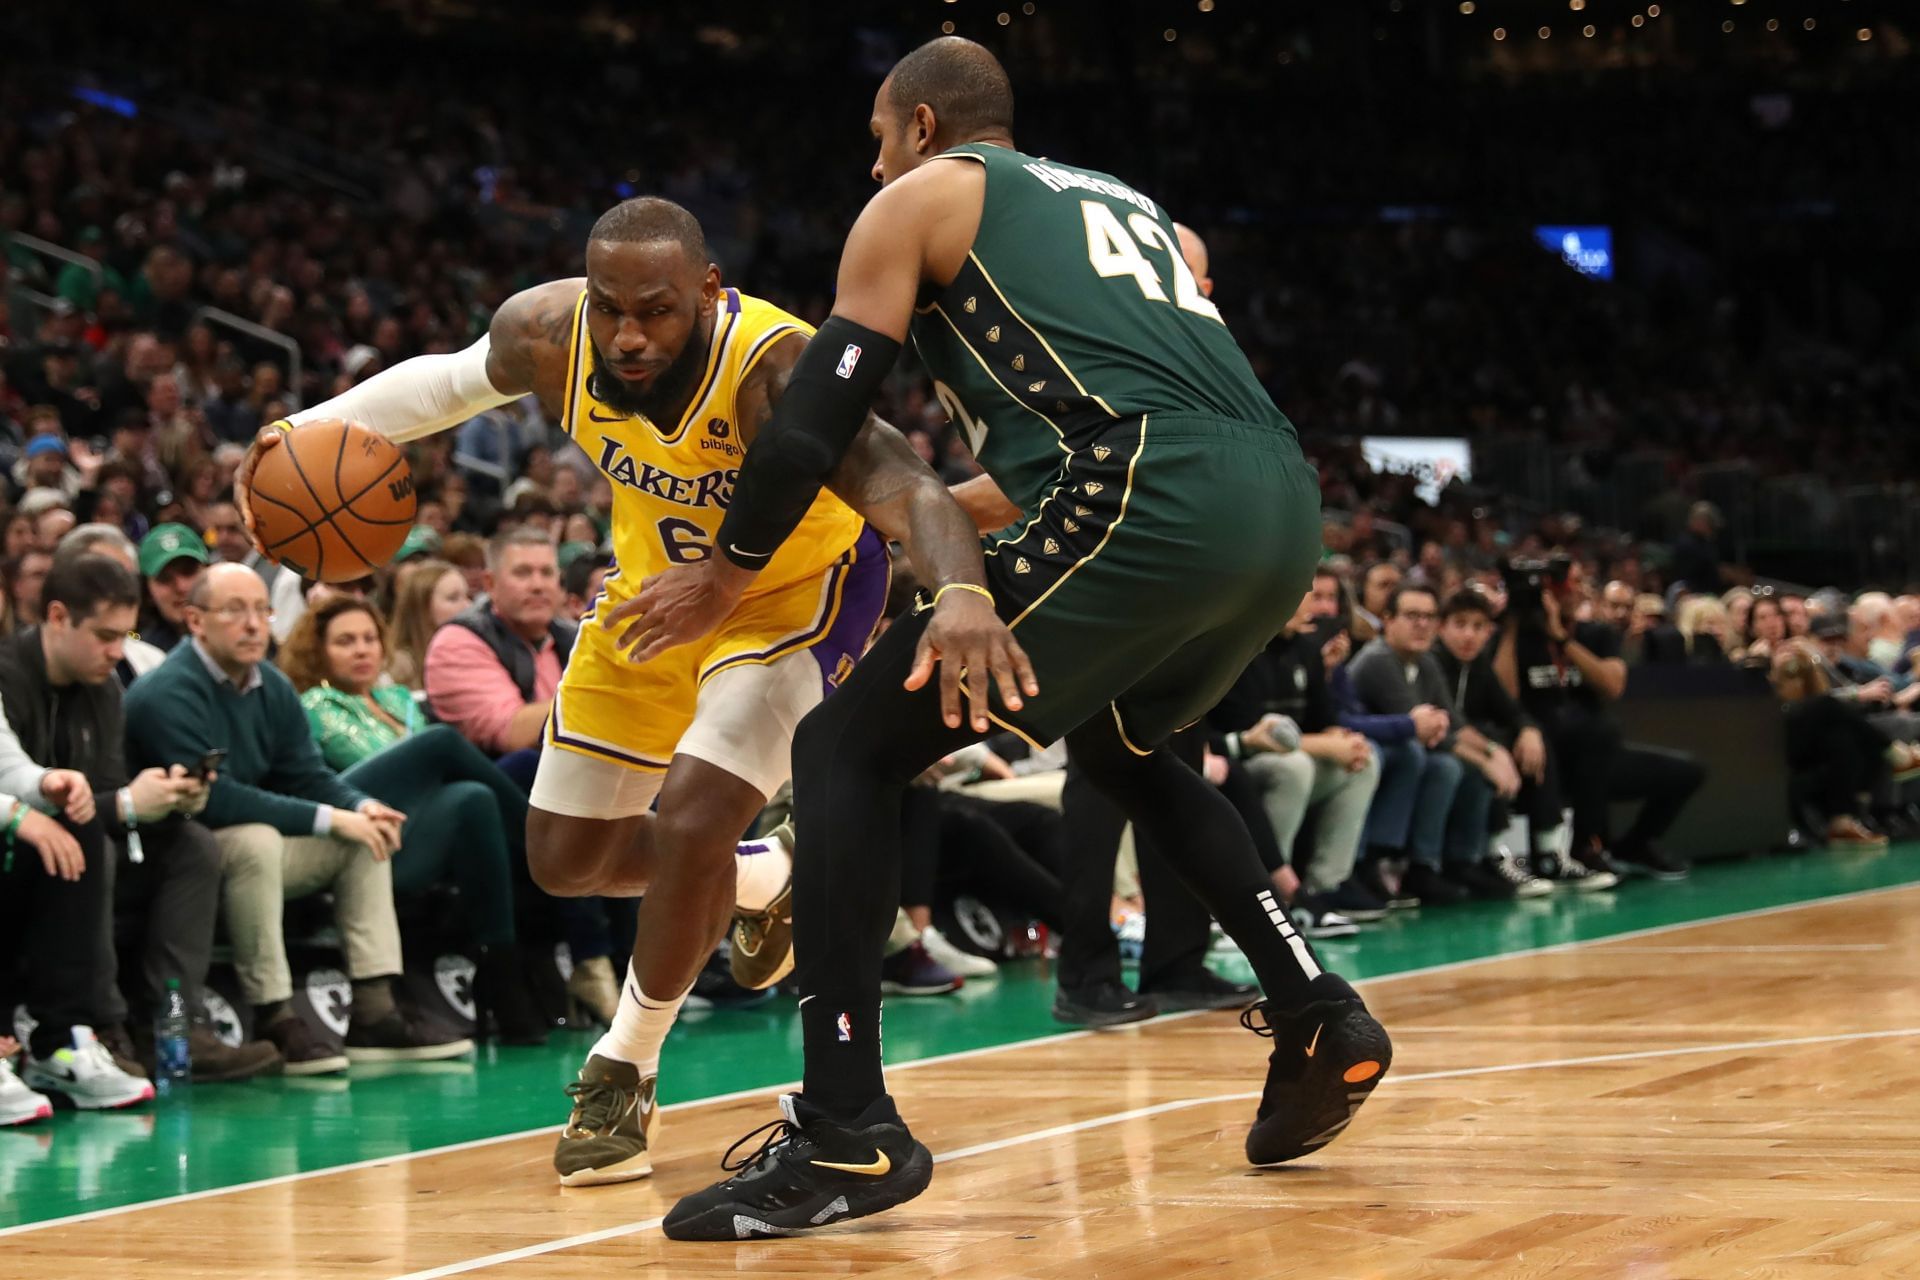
x=878, y=1169
x=1315, y=1042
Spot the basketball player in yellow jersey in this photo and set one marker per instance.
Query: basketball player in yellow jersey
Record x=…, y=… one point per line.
x=664, y=377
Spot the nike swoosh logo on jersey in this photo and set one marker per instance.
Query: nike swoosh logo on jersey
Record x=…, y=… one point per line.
x=880, y=1167
x=595, y=415
x=748, y=555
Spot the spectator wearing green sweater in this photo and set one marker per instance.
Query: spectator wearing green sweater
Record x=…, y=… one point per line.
x=287, y=825
x=466, y=821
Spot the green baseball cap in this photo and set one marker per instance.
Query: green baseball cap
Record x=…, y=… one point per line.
x=421, y=541
x=166, y=543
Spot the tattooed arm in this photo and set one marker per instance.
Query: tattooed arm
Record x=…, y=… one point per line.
x=525, y=350
x=883, y=479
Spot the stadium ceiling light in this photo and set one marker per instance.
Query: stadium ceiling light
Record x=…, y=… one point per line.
x=1003, y=17
x=1727, y=27
x=1587, y=31
x=946, y=28
x=1499, y=33
x=1027, y=8
x=1169, y=35
x=1546, y=33
x=1808, y=25
x=1466, y=6
x=1864, y=33
x=1206, y=6
x=1639, y=20
x=1576, y=5
x=1653, y=11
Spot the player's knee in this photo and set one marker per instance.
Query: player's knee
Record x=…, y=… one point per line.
x=690, y=845
x=563, y=863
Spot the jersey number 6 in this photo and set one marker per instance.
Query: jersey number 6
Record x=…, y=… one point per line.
x=685, y=542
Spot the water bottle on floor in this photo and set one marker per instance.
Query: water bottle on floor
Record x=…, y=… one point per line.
x=173, y=1064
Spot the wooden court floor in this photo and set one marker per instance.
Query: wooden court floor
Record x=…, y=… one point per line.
x=1730, y=1099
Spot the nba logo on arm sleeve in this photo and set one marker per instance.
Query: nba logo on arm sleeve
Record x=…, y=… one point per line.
x=848, y=358
x=844, y=1025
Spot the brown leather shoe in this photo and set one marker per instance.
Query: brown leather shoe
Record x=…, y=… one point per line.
x=215, y=1061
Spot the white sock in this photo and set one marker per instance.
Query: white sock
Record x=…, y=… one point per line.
x=762, y=869
x=639, y=1028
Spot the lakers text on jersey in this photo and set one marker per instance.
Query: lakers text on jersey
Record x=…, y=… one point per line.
x=671, y=485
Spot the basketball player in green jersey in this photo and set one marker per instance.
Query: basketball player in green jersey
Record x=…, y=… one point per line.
x=1169, y=527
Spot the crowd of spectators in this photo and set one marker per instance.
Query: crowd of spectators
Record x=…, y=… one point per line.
x=1432, y=725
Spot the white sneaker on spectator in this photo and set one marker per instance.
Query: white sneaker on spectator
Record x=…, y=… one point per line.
x=964, y=963
x=1564, y=871
x=1509, y=867
x=88, y=1075
x=19, y=1104
x=1318, y=922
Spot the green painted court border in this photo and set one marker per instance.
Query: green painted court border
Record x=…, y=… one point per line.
x=217, y=1140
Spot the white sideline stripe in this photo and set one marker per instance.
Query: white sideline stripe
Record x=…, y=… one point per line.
x=471, y=1144
x=1810, y=948
x=1183, y=1104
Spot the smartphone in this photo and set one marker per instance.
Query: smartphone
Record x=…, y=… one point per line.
x=1325, y=629
x=209, y=763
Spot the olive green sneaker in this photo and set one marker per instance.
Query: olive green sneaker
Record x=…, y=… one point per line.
x=762, y=950
x=614, y=1120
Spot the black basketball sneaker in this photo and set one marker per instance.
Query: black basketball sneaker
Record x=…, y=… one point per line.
x=1327, y=1057
x=810, y=1172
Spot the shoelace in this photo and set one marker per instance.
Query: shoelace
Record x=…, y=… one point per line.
x=599, y=1106
x=1512, y=872
x=1259, y=1027
x=777, y=1131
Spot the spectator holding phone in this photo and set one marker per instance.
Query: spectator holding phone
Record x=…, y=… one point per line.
x=135, y=835
x=287, y=825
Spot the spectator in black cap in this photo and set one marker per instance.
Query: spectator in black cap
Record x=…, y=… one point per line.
x=172, y=558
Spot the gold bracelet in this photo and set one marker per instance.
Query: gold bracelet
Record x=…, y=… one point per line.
x=962, y=586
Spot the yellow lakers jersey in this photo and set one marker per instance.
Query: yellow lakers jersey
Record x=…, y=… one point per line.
x=672, y=481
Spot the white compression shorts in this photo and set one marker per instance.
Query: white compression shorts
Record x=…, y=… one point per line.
x=743, y=723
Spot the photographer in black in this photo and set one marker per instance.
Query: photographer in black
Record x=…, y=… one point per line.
x=1565, y=674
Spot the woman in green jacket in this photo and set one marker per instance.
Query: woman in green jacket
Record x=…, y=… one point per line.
x=466, y=822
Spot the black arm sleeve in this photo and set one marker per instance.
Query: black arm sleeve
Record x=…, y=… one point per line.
x=822, y=410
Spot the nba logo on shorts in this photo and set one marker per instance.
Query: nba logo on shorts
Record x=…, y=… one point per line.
x=848, y=358
x=845, y=1026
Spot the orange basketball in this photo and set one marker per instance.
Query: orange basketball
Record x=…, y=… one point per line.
x=333, y=500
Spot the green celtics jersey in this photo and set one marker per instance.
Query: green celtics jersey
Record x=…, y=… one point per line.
x=1073, y=310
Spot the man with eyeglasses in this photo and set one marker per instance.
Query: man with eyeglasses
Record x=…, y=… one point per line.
x=132, y=844
x=287, y=825
x=1462, y=769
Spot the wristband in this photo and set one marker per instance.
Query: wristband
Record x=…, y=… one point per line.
x=961, y=586
x=136, y=853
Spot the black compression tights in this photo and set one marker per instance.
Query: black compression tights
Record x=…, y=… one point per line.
x=852, y=758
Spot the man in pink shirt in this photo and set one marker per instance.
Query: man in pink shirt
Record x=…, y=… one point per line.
x=492, y=672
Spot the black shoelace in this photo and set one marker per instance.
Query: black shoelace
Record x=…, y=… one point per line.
x=778, y=1132
x=600, y=1104
x=1247, y=1016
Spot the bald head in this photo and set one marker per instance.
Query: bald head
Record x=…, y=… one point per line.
x=226, y=583
x=1194, y=250
x=1617, y=600
x=961, y=82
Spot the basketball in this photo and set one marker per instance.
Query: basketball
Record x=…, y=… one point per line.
x=333, y=501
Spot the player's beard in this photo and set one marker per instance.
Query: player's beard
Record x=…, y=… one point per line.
x=663, y=398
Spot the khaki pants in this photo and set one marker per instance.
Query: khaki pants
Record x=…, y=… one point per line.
x=261, y=870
